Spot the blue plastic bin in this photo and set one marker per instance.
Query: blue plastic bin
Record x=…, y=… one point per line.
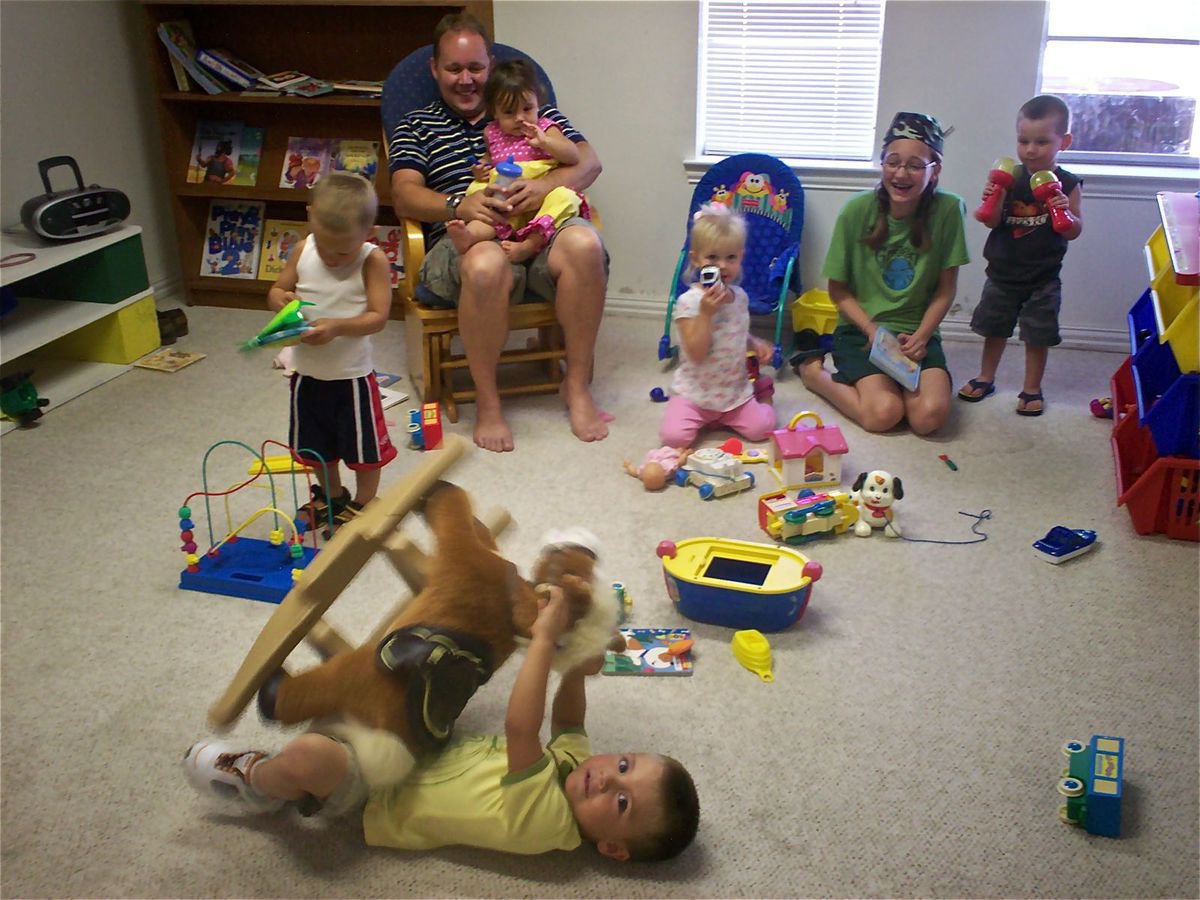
x=1168, y=402
x=1142, y=324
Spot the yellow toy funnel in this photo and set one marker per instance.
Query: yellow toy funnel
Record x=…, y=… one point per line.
x=751, y=649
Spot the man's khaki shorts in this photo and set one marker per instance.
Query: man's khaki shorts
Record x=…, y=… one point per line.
x=531, y=281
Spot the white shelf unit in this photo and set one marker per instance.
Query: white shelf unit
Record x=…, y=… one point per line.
x=36, y=322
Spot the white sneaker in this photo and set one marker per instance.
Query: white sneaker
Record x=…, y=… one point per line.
x=220, y=769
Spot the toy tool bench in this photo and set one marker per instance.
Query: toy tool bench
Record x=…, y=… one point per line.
x=75, y=314
x=1156, y=390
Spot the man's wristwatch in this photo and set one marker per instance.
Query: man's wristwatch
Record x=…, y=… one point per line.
x=452, y=202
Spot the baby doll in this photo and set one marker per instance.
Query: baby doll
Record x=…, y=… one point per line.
x=658, y=467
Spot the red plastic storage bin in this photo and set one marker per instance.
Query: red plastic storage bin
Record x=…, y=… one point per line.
x=1162, y=493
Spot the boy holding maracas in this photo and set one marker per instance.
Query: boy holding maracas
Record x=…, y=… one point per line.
x=1032, y=219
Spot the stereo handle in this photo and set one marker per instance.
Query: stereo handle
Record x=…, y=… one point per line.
x=54, y=162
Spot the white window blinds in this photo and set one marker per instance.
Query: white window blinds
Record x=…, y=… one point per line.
x=795, y=80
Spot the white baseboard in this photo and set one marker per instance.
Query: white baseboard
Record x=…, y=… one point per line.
x=641, y=306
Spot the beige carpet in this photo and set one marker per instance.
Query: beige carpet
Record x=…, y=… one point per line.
x=909, y=746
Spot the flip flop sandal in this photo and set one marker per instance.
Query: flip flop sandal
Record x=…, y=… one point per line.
x=341, y=517
x=987, y=387
x=316, y=510
x=1025, y=399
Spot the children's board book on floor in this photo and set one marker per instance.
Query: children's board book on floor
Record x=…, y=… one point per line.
x=651, y=651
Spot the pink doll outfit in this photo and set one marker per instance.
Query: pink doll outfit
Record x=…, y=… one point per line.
x=716, y=392
x=559, y=205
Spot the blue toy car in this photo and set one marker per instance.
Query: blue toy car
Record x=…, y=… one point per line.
x=1062, y=543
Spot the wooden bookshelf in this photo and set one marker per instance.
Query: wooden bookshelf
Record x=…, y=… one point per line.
x=339, y=39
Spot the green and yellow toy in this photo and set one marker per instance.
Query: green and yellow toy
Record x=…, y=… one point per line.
x=286, y=327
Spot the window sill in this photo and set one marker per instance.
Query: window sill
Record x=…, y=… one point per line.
x=1131, y=182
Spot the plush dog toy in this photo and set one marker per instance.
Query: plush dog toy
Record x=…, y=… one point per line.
x=874, y=493
x=397, y=700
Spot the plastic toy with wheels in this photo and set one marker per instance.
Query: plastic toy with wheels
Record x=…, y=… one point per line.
x=738, y=584
x=239, y=566
x=19, y=400
x=1061, y=543
x=1093, y=783
x=714, y=472
x=769, y=195
x=805, y=515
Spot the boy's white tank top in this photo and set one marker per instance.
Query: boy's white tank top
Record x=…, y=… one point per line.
x=339, y=293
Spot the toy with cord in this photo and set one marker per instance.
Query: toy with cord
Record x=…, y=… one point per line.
x=240, y=566
x=658, y=468
x=873, y=494
x=715, y=473
x=805, y=515
x=286, y=327
x=1001, y=176
x=1093, y=782
x=734, y=447
x=738, y=584
x=1045, y=187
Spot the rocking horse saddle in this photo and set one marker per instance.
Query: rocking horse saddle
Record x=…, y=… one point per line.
x=443, y=668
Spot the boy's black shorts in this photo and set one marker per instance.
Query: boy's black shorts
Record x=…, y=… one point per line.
x=1002, y=306
x=341, y=420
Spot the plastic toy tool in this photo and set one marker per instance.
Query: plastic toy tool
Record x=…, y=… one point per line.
x=286, y=327
x=751, y=649
x=1045, y=185
x=1001, y=176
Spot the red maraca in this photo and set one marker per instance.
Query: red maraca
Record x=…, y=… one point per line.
x=1045, y=185
x=1002, y=177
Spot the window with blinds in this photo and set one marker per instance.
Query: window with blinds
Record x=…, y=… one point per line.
x=795, y=80
x=1130, y=76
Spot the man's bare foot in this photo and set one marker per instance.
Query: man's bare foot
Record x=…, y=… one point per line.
x=492, y=432
x=460, y=236
x=588, y=421
x=521, y=251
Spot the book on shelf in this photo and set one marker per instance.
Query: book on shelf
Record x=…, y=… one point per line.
x=181, y=45
x=232, y=239
x=182, y=82
x=249, y=156
x=225, y=152
x=304, y=162
x=388, y=238
x=309, y=87
x=887, y=355
x=280, y=237
x=357, y=86
x=236, y=71
x=648, y=652
x=277, y=81
x=361, y=157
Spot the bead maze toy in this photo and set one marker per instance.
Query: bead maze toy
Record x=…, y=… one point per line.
x=240, y=566
x=286, y=327
x=805, y=515
x=1045, y=186
x=738, y=584
x=1002, y=176
x=1093, y=783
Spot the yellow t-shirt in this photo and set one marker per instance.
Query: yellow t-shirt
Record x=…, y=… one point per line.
x=465, y=795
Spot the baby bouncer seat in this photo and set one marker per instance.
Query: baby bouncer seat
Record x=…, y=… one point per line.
x=768, y=194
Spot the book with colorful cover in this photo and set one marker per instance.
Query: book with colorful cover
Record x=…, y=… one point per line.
x=224, y=64
x=215, y=152
x=177, y=38
x=647, y=652
x=249, y=156
x=887, y=356
x=280, y=237
x=280, y=80
x=310, y=87
x=232, y=239
x=182, y=82
x=169, y=360
x=361, y=157
x=388, y=239
x=304, y=162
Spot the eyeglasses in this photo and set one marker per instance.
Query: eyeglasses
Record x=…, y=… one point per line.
x=914, y=168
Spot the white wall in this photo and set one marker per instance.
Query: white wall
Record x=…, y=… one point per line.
x=626, y=73
x=73, y=83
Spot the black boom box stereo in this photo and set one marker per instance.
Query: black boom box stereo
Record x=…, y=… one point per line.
x=73, y=213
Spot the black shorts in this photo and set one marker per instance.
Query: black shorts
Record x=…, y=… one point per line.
x=1002, y=306
x=340, y=420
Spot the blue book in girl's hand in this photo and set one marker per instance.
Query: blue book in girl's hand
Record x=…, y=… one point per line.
x=888, y=357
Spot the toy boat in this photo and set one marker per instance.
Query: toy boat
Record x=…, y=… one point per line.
x=753, y=651
x=1062, y=543
x=738, y=584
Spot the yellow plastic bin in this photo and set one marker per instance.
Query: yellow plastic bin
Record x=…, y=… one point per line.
x=1183, y=336
x=1158, y=256
x=1175, y=316
x=126, y=335
x=813, y=309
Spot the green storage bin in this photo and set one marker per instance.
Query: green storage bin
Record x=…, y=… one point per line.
x=107, y=275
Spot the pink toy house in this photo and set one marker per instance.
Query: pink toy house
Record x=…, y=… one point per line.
x=807, y=455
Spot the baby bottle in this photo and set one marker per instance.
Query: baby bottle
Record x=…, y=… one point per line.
x=507, y=172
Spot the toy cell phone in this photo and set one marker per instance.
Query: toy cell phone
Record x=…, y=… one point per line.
x=709, y=276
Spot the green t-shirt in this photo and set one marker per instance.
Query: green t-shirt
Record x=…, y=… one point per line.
x=465, y=795
x=895, y=283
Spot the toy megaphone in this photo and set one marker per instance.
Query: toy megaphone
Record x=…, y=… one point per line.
x=1044, y=185
x=1001, y=176
x=287, y=327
